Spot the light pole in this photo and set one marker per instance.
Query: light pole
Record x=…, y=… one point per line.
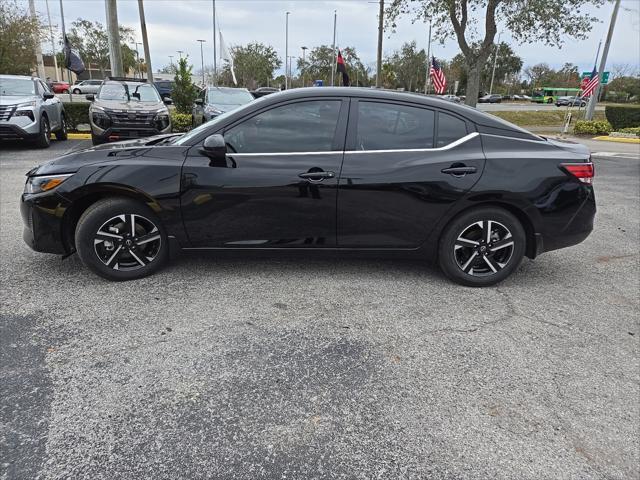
x=304, y=66
x=138, y=59
x=495, y=62
x=171, y=60
x=333, y=61
x=286, y=49
x=379, y=55
x=290, y=61
x=180, y=52
x=202, y=60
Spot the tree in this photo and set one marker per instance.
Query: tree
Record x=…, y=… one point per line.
x=184, y=91
x=509, y=65
x=254, y=65
x=321, y=59
x=410, y=67
x=542, y=21
x=19, y=33
x=624, y=89
x=92, y=42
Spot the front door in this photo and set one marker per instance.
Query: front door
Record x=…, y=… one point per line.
x=277, y=187
x=405, y=165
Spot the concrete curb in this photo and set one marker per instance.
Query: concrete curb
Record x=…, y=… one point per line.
x=617, y=139
x=79, y=136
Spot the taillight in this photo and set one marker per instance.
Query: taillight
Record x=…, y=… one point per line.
x=582, y=171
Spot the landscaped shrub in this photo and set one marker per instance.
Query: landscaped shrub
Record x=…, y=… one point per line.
x=633, y=130
x=180, y=122
x=623, y=117
x=76, y=112
x=591, y=127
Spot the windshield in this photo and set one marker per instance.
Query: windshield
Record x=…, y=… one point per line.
x=228, y=97
x=16, y=87
x=129, y=93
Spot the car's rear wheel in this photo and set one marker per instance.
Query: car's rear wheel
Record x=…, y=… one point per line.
x=44, y=136
x=61, y=134
x=121, y=239
x=482, y=247
x=77, y=91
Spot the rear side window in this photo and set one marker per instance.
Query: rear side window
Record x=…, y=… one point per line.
x=450, y=129
x=389, y=126
x=296, y=127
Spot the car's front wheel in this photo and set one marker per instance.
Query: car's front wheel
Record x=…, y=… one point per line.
x=121, y=239
x=77, y=91
x=62, y=134
x=482, y=247
x=44, y=136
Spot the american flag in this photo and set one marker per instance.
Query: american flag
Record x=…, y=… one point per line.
x=589, y=84
x=437, y=77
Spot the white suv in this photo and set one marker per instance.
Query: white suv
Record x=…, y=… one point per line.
x=29, y=110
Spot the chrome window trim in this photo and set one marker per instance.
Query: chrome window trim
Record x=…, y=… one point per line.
x=449, y=146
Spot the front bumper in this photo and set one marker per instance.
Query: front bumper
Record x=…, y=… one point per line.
x=120, y=129
x=43, y=218
x=12, y=131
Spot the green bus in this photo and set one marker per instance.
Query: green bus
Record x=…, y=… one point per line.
x=551, y=94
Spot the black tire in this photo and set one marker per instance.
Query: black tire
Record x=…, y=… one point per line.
x=76, y=91
x=467, y=258
x=65, y=91
x=96, y=140
x=44, y=137
x=108, y=249
x=550, y=100
x=61, y=134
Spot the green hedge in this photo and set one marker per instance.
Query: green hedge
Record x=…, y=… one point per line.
x=180, y=122
x=634, y=130
x=592, y=127
x=623, y=117
x=76, y=112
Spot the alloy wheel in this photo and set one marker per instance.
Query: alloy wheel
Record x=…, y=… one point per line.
x=483, y=248
x=127, y=242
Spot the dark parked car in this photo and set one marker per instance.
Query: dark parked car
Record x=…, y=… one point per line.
x=164, y=87
x=127, y=108
x=571, y=102
x=262, y=91
x=495, y=98
x=320, y=169
x=214, y=101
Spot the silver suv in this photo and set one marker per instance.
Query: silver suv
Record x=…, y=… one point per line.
x=29, y=110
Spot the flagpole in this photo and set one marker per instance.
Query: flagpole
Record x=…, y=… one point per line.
x=603, y=61
x=427, y=79
x=215, y=54
x=333, y=62
x=286, y=51
x=64, y=39
x=53, y=46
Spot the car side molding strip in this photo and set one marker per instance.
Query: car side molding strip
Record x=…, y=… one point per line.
x=451, y=145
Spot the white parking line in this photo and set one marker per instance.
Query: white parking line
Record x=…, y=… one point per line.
x=615, y=154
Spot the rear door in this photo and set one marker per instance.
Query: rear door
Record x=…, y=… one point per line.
x=405, y=165
x=277, y=187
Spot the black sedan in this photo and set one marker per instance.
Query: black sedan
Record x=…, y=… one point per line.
x=495, y=98
x=341, y=169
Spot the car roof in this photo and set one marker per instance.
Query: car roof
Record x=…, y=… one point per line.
x=225, y=89
x=20, y=77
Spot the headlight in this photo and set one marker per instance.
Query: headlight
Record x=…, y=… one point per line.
x=44, y=183
x=24, y=113
x=30, y=104
x=212, y=110
x=162, y=121
x=96, y=108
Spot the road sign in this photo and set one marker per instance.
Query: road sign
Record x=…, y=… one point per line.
x=604, y=79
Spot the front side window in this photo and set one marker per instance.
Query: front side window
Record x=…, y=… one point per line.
x=450, y=129
x=297, y=127
x=388, y=126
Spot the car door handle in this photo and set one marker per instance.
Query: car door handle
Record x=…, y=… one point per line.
x=459, y=171
x=316, y=176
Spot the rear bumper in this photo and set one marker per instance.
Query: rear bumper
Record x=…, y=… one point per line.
x=42, y=216
x=577, y=229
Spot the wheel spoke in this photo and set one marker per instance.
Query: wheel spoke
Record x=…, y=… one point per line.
x=486, y=230
x=494, y=266
x=114, y=257
x=149, y=237
x=469, y=262
x=107, y=236
x=504, y=243
x=132, y=225
x=138, y=259
x=464, y=242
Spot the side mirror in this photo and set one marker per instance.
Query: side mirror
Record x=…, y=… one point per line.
x=91, y=97
x=48, y=95
x=198, y=101
x=167, y=101
x=215, y=148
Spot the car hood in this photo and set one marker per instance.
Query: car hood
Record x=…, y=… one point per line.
x=133, y=105
x=11, y=100
x=72, y=162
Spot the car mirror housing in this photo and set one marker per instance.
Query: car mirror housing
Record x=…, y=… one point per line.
x=167, y=101
x=91, y=97
x=198, y=101
x=48, y=95
x=215, y=148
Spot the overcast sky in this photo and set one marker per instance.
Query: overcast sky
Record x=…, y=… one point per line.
x=176, y=25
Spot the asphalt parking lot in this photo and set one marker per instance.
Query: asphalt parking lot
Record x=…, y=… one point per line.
x=319, y=367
